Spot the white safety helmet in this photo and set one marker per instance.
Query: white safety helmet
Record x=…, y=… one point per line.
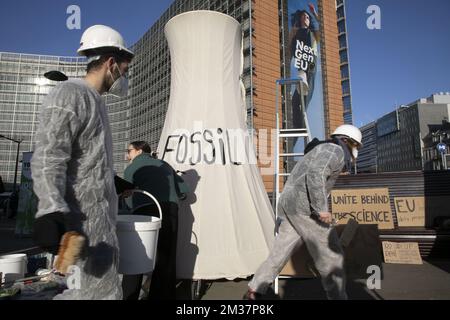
x=100, y=36
x=351, y=132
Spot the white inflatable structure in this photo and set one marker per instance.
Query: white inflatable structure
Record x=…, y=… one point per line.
x=226, y=225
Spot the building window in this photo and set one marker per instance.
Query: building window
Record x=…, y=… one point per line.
x=341, y=26
x=343, y=56
x=340, y=13
x=342, y=41
x=345, y=87
x=348, y=118
x=344, y=72
x=347, y=103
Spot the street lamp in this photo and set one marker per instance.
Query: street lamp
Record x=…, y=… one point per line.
x=17, y=157
x=56, y=76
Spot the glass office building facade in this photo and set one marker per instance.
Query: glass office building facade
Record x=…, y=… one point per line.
x=22, y=90
x=406, y=138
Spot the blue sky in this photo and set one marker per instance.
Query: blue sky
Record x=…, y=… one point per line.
x=407, y=59
x=39, y=26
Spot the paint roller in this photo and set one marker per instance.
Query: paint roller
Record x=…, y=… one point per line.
x=349, y=231
x=69, y=252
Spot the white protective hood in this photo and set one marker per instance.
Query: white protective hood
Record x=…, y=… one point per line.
x=226, y=226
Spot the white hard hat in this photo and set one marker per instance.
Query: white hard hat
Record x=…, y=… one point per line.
x=349, y=131
x=100, y=36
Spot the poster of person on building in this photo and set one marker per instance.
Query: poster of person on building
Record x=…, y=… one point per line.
x=304, y=60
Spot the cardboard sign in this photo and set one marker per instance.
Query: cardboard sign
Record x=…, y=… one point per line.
x=366, y=206
x=404, y=253
x=410, y=211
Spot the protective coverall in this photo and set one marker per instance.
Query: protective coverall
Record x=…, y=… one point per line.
x=304, y=196
x=72, y=170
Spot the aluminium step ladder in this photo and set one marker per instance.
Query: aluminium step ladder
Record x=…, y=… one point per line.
x=284, y=133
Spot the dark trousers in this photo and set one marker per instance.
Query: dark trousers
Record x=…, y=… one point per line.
x=164, y=276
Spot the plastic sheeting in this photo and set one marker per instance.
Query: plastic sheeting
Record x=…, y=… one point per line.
x=226, y=224
x=72, y=170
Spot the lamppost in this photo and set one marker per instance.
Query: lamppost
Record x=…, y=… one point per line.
x=56, y=75
x=17, y=157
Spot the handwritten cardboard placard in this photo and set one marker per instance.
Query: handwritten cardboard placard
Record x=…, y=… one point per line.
x=401, y=252
x=410, y=211
x=366, y=206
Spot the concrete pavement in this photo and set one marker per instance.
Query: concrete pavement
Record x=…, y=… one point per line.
x=429, y=281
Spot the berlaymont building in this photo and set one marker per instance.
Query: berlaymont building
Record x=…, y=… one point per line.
x=265, y=24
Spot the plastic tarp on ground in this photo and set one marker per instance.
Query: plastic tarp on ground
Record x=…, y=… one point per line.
x=226, y=224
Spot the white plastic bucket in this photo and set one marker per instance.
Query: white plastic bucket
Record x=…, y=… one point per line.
x=13, y=267
x=138, y=240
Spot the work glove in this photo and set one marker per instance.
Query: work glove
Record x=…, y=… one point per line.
x=49, y=229
x=122, y=185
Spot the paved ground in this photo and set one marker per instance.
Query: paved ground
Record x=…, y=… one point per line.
x=430, y=281
x=406, y=282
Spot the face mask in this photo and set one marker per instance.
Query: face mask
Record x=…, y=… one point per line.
x=120, y=86
x=355, y=152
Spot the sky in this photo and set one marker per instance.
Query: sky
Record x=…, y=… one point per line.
x=407, y=59
x=30, y=26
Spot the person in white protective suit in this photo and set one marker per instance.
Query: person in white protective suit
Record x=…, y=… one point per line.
x=304, y=216
x=72, y=165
